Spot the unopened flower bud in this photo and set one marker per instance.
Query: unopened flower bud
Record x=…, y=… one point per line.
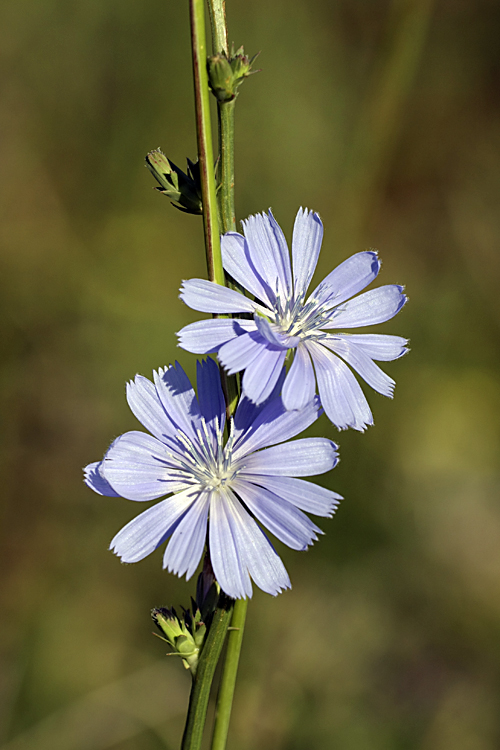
x=178, y=635
x=241, y=65
x=226, y=74
x=220, y=76
x=183, y=189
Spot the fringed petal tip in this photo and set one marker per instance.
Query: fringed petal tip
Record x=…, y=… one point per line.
x=95, y=480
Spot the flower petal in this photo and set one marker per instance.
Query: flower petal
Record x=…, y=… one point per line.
x=300, y=383
x=341, y=396
x=381, y=347
x=137, y=467
x=262, y=374
x=229, y=568
x=210, y=396
x=300, y=458
x=274, y=424
x=185, y=547
x=287, y=523
x=207, y=336
x=178, y=398
x=239, y=549
x=237, y=261
x=207, y=296
x=241, y=351
x=269, y=252
x=375, y=306
x=247, y=412
x=355, y=356
x=349, y=278
x=94, y=479
x=304, y=495
x=272, y=336
x=306, y=245
x=144, y=533
x=145, y=404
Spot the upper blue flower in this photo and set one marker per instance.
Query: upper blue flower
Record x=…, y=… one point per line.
x=283, y=319
x=229, y=485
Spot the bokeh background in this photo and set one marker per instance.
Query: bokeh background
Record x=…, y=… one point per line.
x=384, y=117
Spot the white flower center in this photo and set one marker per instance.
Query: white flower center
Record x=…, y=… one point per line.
x=205, y=462
x=303, y=319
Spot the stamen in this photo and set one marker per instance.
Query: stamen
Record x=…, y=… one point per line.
x=201, y=462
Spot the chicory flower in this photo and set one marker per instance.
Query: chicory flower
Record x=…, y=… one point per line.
x=230, y=485
x=281, y=320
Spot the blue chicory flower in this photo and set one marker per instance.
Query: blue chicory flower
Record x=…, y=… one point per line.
x=253, y=476
x=281, y=319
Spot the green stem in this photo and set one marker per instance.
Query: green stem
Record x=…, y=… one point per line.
x=209, y=657
x=217, y=9
x=200, y=691
x=226, y=165
x=228, y=221
x=228, y=680
x=204, y=133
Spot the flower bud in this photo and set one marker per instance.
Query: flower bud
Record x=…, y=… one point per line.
x=220, y=77
x=178, y=635
x=226, y=74
x=207, y=590
x=241, y=65
x=182, y=189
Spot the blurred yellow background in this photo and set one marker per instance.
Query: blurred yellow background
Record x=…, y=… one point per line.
x=383, y=117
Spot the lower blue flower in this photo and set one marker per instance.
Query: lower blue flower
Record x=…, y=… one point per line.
x=227, y=485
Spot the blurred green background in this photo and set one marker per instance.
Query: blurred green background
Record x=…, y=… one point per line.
x=384, y=117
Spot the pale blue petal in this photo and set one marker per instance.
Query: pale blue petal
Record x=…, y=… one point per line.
x=137, y=467
x=262, y=374
x=145, y=404
x=247, y=412
x=306, y=245
x=304, y=495
x=272, y=336
x=300, y=383
x=340, y=393
x=375, y=306
x=239, y=353
x=349, y=278
x=300, y=458
x=94, y=479
x=382, y=347
x=178, y=398
x=207, y=336
x=149, y=529
x=269, y=252
x=238, y=262
x=239, y=549
x=185, y=547
x=210, y=396
x=274, y=424
x=355, y=356
x=230, y=571
x=281, y=518
x=207, y=296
